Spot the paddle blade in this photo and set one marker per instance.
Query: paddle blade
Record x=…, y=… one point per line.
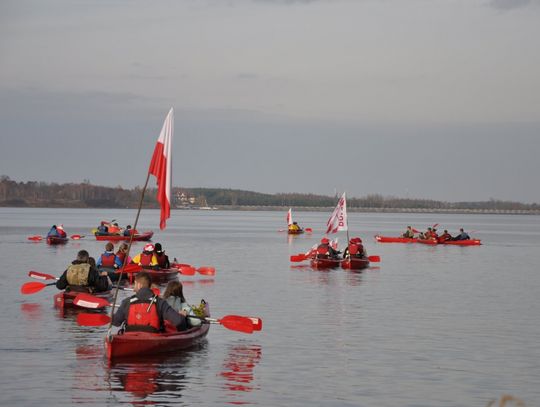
x=76, y=237
x=309, y=230
x=298, y=257
x=32, y=287
x=187, y=270
x=40, y=276
x=35, y=238
x=93, y=319
x=207, y=271
x=374, y=259
x=130, y=268
x=256, y=322
x=237, y=323
x=86, y=300
x=156, y=291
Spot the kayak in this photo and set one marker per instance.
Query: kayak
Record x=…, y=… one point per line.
x=389, y=239
x=146, y=343
x=469, y=242
x=57, y=240
x=140, y=237
x=295, y=232
x=64, y=299
x=431, y=241
x=354, y=263
x=325, y=263
x=162, y=276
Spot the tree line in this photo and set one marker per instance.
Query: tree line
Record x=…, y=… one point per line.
x=86, y=195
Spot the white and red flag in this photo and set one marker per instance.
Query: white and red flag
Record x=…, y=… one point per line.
x=338, y=220
x=160, y=167
x=289, y=217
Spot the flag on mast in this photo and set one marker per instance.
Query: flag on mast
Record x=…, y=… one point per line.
x=338, y=220
x=161, y=166
x=289, y=217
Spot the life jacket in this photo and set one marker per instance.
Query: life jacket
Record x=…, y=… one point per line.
x=107, y=260
x=143, y=315
x=61, y=233
x=114, y=229
x=162, y=259
x=77, y=275
x=323, y=251
x=146, y=258
x=121, y=256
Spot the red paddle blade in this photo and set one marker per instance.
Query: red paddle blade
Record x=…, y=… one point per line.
x=93, y=319
x=86, y=300
x=309, y=230
x=32, y=287
x=130, y=268
x=35, y=238
x=298, y=257
x=237, y=323
x=40, y=276
x=76, y=237
x=187, y=270
x=374, y=259
x=256, y=322
x=207, y=271
x=156, y=291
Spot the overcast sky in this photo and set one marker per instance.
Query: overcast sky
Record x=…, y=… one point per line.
x=437, y=99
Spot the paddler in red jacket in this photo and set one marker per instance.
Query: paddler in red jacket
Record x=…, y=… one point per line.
x=355, y=249
x=325, y=251
x=145, y=311
x=445, y=236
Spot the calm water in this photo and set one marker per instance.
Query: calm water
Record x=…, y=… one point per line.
x=429, y=326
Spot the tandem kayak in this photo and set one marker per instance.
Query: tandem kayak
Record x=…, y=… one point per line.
x=64, y=299
x=145, y=343
x=468, y=242
x=57, y=240
x=325, y=263
x=140, y=237
x=355, y=263
x=389, y=239
x=431, y=241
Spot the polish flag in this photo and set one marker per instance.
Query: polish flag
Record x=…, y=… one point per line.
x=160, y=167
x=338, y=220
x=289, y=217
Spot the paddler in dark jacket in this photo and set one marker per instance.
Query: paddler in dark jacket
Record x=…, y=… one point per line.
x=81, y=276
x=145, y=311
x=162, y=258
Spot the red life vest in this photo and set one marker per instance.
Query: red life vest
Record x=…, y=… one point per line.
x=143, y=316
x=161, y=259
x=121, y=256
x=107, y=261
x=146, y=259
x=323, y=250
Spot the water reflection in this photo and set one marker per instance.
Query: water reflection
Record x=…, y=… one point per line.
x=238, y=371
x=31, y=311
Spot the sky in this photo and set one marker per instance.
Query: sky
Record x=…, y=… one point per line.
x=434, y=99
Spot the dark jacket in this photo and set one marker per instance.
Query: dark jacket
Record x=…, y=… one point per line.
x=165, y=312
x=96, y=282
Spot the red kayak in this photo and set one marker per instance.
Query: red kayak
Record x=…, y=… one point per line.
x=388, y=239
x=140, y=237
x=325, y=263
x=469, y=242
x=145, y=343
x=431, y=241
x=57, y=240
x=64, y=299
x=355, y=263
x=295, y=232
x=162, y=276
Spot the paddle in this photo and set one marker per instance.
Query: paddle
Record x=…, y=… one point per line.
x=77, y=237
x=41, y=276
x=33, y=287
x=189, y=270
x=299, y=257
x=93, y=319
x=309, y=230
x=374, y=259
x=36, y=238
x=86, y=300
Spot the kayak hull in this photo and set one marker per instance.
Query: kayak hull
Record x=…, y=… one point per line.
x=146, y=344
x=163, y=276
x=141, y=237
x=56, y=240
x=431, y=242
x=469, y=242
x=390, y=239
x=64, y=299
x=354, y=263
x=325, y=263
x=295, y=232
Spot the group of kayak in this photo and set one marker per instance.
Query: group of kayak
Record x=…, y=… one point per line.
x=431, y=237
x=112, y=232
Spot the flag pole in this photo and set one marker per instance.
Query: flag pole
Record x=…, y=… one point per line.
x=128, y=250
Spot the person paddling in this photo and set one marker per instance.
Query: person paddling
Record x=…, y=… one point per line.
x=409, y=233
x=445, y=237
x=162, y=258
x=174, y=295
x=355, y=249
x=61, y=232
x=294, y=227
x=53, y=232
x=108, y=258
x=462, y=235
x=325, y=251
x=145, y=311
x=147, y=258
x=82, y=276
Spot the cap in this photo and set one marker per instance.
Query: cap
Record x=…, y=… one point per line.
x=325, y=240
x=149, y=247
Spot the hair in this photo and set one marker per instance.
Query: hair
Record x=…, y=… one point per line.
x=128, y=227
x=123, y=246
x=92, y=262
x=144, y=278
x=109, y=247
x=83, y=256
x=158, y=248
x=174, y=288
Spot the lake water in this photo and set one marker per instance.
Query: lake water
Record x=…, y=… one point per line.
x=428, y=326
